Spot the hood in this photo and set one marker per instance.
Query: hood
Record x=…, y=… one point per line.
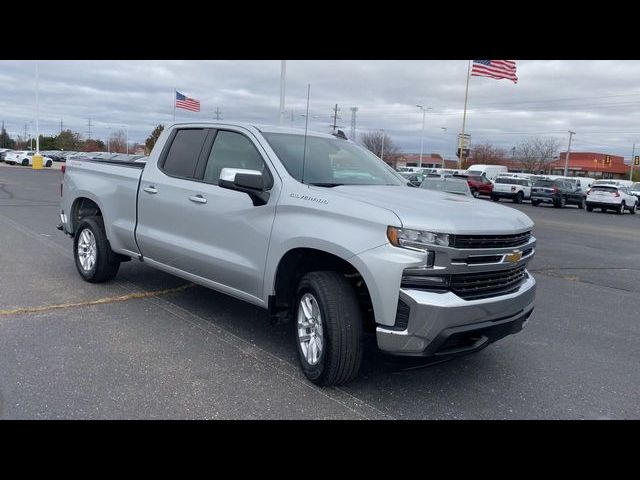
x=422, y=209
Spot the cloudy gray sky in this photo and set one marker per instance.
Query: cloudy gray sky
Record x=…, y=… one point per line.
x=599, y=100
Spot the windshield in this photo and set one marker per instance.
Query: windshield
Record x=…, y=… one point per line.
x=444, y=185
x=330, y=162
x=544, y=183
x=635, y=186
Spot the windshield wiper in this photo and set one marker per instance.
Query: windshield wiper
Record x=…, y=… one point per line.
x=327, y=184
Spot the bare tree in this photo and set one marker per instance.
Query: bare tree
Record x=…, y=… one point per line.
x=537, y=153
x=485, y=154
x=118, y=142
x=373, y=141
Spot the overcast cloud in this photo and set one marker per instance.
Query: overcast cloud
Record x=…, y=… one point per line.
x=599, y=100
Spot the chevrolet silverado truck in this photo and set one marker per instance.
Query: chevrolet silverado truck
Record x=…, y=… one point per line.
x=316, y=230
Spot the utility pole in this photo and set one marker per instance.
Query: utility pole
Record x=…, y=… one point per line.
x=60, y=125
x=89, y=135
x=25, y=135
x=633, y=154
x=335, y=118
x=566, y=160
x=283, y=74
x=37, y=109
x=218, y=113
x=354, y=110
x=424, y=116
x=382, y=148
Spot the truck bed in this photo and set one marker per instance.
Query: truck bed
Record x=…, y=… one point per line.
x=113, y=186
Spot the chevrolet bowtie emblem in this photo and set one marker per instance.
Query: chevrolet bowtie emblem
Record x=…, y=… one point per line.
x=513, y=257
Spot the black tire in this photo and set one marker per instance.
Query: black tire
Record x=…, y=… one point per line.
x=341, y=355
x=563, y=202
x=589, y=208
x=475, y=193
x=25, y=163
x=494, y=198
x=633, y=209
x=106, y=265
x=582, y=204
x=49, y=163
x=621, y=208
x=518, y=198
x=535, y=203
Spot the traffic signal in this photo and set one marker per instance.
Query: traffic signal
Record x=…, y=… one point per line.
x=636, y=160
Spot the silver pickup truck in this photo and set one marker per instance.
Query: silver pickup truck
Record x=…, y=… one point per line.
x=315, y=229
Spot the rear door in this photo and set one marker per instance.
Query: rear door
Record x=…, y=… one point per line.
x=165, y=213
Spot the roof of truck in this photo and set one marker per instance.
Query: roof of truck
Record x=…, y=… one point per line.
x=262, y=128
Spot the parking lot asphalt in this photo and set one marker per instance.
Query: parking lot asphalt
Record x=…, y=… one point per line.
x=195, y=353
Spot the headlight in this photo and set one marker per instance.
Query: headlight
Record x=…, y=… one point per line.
x=416, y=239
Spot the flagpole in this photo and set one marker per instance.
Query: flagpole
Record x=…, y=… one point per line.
x=464, y=116
x=175, y=94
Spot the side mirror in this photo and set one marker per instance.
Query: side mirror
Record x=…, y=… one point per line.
x=252, y=182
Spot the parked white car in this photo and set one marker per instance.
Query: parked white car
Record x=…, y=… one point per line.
x=515, y=188
x=581, y=183
x=611, y=197
x=488, y=171
x=635, y=189
x=25, y=158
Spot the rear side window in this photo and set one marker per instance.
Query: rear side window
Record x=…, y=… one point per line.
x=184, y=152
x=231, y=150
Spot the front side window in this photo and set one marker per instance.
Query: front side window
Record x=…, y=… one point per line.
x=231, y=150
x=184, y=152
x=330, y=161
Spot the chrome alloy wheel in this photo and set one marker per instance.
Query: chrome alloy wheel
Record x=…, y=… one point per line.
x=310, y=329
x=87, y=249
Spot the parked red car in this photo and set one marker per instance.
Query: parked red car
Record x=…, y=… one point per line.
x=478, y=185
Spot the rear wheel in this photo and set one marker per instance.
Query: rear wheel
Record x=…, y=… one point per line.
x=475, y=193
x=94, y=258
x=583, y=203
x=328, y=328
x=49, y=163
x=25, y=163
x=589, y=208
x=633, y=209
x=622, y=208
x=535, y=203
x=495, y=198
x=518, y=198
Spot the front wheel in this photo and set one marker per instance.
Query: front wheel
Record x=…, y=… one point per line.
x=95, y=261
x=518, y=198
x=535, y=203
x=633, y=209
x=622, y=208
x=328, y=328
x=49, y=163
x=589, y=208
x=495, y=198
x=25, y=163
x=475, y=193
x=582, y=204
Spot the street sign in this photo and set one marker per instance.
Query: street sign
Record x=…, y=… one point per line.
x=464, y=142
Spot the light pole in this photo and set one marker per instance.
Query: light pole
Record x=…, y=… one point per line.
x=424, y=115
x=382, y=148
x=37, y=110
x=566, y=160
x=444, y=148
x=283, y=74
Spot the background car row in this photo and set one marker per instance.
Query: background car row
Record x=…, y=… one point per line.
x=25, y=157
x=497, y=183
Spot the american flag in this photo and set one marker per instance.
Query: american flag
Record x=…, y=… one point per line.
x=187, y=103
x=495, y=69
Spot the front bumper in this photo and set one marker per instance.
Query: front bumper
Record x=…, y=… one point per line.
x=443, y=324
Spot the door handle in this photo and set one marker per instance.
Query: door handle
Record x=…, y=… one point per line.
x=198, y=199
x=150, y=189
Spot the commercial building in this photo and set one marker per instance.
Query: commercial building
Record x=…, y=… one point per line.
x=429, y=160
x=590, y=164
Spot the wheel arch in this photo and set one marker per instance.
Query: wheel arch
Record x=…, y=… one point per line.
x=296, y=262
